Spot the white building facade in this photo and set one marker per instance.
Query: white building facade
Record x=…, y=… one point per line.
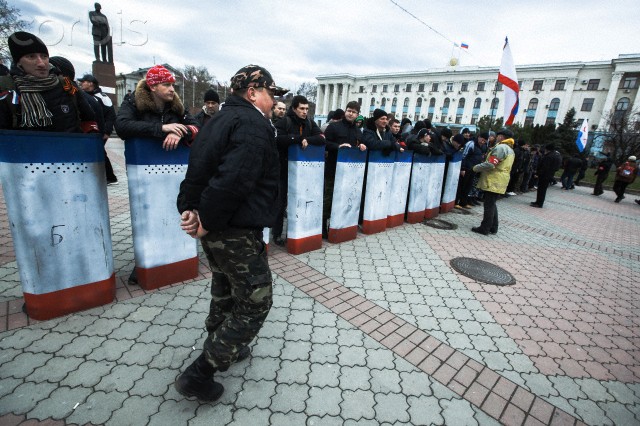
x=464, y=94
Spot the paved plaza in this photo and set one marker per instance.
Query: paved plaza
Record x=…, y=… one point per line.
x=376, y=331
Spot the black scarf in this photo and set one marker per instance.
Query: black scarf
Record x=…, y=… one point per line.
x=34, y=108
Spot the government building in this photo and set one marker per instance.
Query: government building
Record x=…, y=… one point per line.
x=464, y=94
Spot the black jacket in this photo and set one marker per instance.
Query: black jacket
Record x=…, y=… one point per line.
x=232, y=178
x=337, y=134
x=385, y=142
x=65, y=102
x=474, y=157
x=202, y=118
x=108, y=111
x=291, y=131
x=139, y=117
x=547, y=165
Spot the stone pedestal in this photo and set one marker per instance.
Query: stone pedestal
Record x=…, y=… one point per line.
x=106, y=75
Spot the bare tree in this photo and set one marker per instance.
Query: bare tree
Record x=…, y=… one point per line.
x=10, y=22
x=197, y=80
x=309, y=90
x=623, y=136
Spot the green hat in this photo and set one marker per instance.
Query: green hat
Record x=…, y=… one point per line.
x=360, y=118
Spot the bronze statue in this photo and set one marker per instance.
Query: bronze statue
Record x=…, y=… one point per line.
x=101, y=35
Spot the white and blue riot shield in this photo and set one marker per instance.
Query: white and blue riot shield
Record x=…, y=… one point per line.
x=435, y=175
x=399, y=188
x=418, y=188
x=347, y=193
x=376, y=197
x=451, y=183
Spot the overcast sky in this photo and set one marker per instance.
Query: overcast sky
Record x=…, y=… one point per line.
x=299, y=40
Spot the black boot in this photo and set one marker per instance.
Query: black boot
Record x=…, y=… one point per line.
x=197, y=380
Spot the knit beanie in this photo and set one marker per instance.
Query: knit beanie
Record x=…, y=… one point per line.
x=378, y=113
x=459, y=139
x=338, y=114
x=159, y=74
x=64, y=65
x=22, y=43
x=422, y=132
x=446, y=132
x=211, y=96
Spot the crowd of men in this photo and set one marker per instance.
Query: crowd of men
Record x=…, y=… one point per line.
x=236, y=180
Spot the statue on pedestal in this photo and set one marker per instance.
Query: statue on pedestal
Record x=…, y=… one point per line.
x=101, y=35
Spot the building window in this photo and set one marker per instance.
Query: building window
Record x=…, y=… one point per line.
x=446, y=103
x=373, y=101
x=579, y=123
x=587, y=104
x=430, y=116
x=629, y=82
x=474, y=119
x=477, y=103
x=419, y=103
x=461, y=103
x=528, y=121
x=458, y=119
x=432, y=102
x=537, y=84
x=384, y=88
x=593, y=84
x=551, y=121
x=623, y=104
x=406, y=102
x=559, y=85
x=434, y=87
x=480, y=86
x=465, y=87
x=554, y=105
x=360, y=101
x=408, y=88
x=394, y=102
x=494, y=103
x=361, y=89
x=449, y=86
x=533, y=104
x=498, y=87
x=421, y=87
x=374, y=88
x=396, y=87
x=383, y=103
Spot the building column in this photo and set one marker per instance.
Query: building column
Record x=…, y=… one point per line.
x=334, y=98
x=320, y=100
x=609, y=103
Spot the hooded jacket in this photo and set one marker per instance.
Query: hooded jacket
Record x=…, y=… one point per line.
x=496, y=169
x=233, y=173
x=139, y=117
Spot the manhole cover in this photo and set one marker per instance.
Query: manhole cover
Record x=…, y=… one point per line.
x=482, y=271
x=440, y=224
x=461, y=211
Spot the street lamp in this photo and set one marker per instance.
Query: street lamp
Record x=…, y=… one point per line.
x=193, y=101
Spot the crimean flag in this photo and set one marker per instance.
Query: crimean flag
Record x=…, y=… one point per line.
x=507, y=76
x=464, y=45
x=583, y=135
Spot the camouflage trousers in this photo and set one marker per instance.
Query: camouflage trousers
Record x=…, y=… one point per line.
x=241, y=292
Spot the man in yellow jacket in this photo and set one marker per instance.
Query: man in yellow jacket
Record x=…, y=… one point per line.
x=495, y=172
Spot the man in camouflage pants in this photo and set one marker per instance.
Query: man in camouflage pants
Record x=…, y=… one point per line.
x=228, y=196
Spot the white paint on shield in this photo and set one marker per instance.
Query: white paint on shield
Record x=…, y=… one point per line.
x=304, y=202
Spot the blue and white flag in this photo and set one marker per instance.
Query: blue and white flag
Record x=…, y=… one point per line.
x=583, y=134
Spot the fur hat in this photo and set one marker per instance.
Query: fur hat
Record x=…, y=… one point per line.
x=22, y=43
x=211, y=96
x=159, y=74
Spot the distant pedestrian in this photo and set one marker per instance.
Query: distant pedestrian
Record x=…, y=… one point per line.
x=601, y=173
x=625, y=174
x=547, y=166
x=210, y=107
x=571, y=167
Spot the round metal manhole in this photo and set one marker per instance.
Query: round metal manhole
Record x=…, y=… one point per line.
x=440, y=224
x=461, y=211
x=482, y=271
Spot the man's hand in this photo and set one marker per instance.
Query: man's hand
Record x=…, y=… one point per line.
x=304, y=143
x=362, y=147
x=171, y=142
x=177, y=128
x=105, y=137
x=462, y=172
x=190, y=222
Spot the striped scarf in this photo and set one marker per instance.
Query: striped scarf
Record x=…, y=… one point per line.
x=34, y=108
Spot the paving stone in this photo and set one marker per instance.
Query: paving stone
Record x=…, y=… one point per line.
x=324, y=353
x=324, y=421
x=256, y=394
x=263, y=368
x=352, y=356
x=56, y=369
x=391, y=407
x=416, y=383
x=24, y=364
x=506, y=345
x=110, y=350
x=385, y=381
x=594, y=390
x=121, y=378
x=82, y=346
x=354, y=378
x=135, y=410
x=8, y=384
x=324, y=375
x=459, y=341
x=324, y=335
x=496, y=361
x=21, y=338
x=521, y=363
x=184, y=338
x=78, y=325
x=171, y=358
x=273, y=329
x=297, y=332
x=289, y=419
x=129, y=330
x=232, y=388
x=27, y=396
x=8, y=354
x=357, y=405
x=586, y=409
x=119, y=310
x=619, y=412
x=290, y=397
x=52, y=342
x=60, y=403
x=567, y=387
x=88, y=374
x=425, y=409
x=170, y=316
x=620, y=392
x=171, y=413
x=483, y=343
x=223, y=413
x=324, y=401
x=154, y=382
x=102, y=327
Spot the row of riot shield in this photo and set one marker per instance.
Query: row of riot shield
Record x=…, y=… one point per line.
x=400, y=186
x=55, y=190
